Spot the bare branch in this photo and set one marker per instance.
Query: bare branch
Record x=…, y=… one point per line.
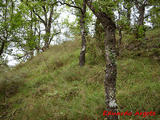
x=45, y=13
x=74, y=6
x=50, y=16
x=39, y=16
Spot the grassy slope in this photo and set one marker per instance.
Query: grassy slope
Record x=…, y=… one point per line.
x=53, y=87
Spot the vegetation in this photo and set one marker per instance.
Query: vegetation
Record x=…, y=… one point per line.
x=55, y=87
x=105, y=59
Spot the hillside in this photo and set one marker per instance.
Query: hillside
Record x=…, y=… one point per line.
x=52, y=86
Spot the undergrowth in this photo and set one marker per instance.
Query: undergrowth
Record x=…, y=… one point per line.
x=52, y=86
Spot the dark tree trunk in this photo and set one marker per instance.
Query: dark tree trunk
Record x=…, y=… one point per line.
x=141, y=11
x=129, y=15
x=110, y=53
x=2, y=48
x=120, y=32
x=47, y=36
x=83, y=35
x=140, y=22
x=120, y=39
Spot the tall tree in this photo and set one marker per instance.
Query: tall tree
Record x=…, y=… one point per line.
x=103, y=12
x=80, y=5
x=4, y=26
x=141, y=7
x=47, y=14
x=155, y=15
x=8, y=26
x=128, y=4
x=83, y=34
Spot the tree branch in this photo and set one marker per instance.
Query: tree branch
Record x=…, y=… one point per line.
x=52, y=36
x=39, y=16
x=74, y=6
x=45, y=13
x=50, y=16
x=100, y=14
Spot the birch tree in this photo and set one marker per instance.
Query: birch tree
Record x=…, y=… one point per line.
x=102, y=11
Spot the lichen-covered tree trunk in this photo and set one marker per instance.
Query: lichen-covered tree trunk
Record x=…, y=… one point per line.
x=111, y=71
x=83, y=35
x=110, y=54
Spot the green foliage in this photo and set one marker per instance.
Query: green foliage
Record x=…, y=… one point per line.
x=155, y=16
x=107, y=7
x=139, y=32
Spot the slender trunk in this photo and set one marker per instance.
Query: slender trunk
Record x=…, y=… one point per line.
x=39, y=40
x=141, y=15
x=129, y=15
x=120, y=39
x=83, y=36
x=2, y=48
x=110, y=53
x=140, y=30
x=141, y=22
x=120, y=30
x=47, y=36
x=48, y=24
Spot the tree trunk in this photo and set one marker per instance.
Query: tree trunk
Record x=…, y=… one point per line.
x=141, y=22
x=129, y=15
x=2, y=48
x=110, y=53
x=141, y=12
x=120, y=31
x=47, y=36
x=83, y=36
x=111, y=71
x=120, y=39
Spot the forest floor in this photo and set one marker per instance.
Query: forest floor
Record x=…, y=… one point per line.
x=52, y=86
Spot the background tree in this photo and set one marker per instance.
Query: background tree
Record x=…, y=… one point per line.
x=141, y=6
x=46, y=12
x=9, y=29
x=128, y=4
x=80, y=5
x=155, y=15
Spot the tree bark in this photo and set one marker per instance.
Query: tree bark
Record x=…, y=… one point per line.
x=141, y=10
x=110, y=53
x=83, y=35
x=129, y=15
x=2, y=47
